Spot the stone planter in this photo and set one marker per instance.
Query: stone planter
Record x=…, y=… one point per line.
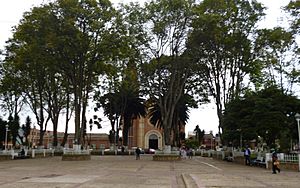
x=76, y=157
x=166, y=157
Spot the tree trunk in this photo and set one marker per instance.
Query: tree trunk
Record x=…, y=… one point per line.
x=67, y=121
x=127, y=122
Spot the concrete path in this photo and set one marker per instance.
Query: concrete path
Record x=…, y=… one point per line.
x=125, y=171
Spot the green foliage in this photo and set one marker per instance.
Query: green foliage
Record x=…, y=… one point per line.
x=272, y=48
x=220, y=42
x=294, y=9
x=13, y=126
x=267, y=113
x=192, y=143
x=2, y=132
x=199, y=134
x=27, y=128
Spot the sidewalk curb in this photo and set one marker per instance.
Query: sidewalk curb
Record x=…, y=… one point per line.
x=188, y=181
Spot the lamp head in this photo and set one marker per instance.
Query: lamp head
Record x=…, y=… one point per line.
x=297, y=116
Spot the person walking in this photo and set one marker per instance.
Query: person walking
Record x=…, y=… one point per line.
x=190, y=153
x=247, y=154
x=137, y=153
x=275, y=162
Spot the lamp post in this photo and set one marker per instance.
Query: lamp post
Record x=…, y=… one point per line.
x=297, y=117
x=241, y=138
x=6, y=130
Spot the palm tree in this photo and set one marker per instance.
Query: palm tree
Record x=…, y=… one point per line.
x=110, y=103
x=133, y=108
x=199, y=134
x=180, y=117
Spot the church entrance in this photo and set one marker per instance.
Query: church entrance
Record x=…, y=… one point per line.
x=153, y=141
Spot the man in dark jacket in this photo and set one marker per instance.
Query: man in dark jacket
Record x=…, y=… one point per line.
x=275, y=162
x=137, y=153
x=247, y=154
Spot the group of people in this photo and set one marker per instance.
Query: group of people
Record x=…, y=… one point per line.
x=275, y=161
x=186, y=152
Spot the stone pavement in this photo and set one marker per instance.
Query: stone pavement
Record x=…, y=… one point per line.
x=125, y=171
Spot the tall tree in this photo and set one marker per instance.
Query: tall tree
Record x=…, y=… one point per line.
x=220, y=41
x=28, y=53
x=70, y=40
x=166, y=74
x=273, y=48
x=293, y=8
x=82, y=49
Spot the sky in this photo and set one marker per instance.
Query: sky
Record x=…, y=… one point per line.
x=11, y=11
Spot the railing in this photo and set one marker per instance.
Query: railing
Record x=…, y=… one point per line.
x=292, y=158
x=32, y=152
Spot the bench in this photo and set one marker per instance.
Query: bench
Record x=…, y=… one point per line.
x=20, y=155
x=259, y=161
x=228, y=159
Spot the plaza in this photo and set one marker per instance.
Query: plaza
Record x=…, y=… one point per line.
x=125, y=171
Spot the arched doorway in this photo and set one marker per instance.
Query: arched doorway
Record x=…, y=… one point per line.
x=153, y=141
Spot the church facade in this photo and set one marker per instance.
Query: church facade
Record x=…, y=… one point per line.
x=144, y=135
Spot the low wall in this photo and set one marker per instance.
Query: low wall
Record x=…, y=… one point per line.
x=5, y=157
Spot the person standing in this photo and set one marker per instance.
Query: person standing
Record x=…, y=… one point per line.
x=183, y=152
x=247, y=154
x=275, y=162
x=189, y=152
x=137, y=153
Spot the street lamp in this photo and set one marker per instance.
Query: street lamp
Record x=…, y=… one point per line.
x=6, y=130
x=241, y=138
x=297, y=117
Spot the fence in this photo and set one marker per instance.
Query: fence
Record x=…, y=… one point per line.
x=288, y=161
x=14, y=153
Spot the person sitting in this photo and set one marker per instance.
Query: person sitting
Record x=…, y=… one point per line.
x=22, y=154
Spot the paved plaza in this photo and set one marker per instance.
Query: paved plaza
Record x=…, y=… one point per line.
x=125, y=171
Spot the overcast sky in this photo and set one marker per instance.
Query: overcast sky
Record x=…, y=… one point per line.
x=11, y=12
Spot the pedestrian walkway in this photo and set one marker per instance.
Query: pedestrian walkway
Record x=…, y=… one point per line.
x=127, y=172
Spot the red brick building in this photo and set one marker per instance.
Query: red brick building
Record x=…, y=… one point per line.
x=142, y=134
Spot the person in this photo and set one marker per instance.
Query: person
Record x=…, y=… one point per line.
x=247, y=154
x=275, y=162
x=137, y=153
x=190, y=153
x=183, y=152
x=123, y=149
x=22, y=154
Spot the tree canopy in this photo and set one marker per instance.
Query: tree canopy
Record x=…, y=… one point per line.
x=172, y=55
